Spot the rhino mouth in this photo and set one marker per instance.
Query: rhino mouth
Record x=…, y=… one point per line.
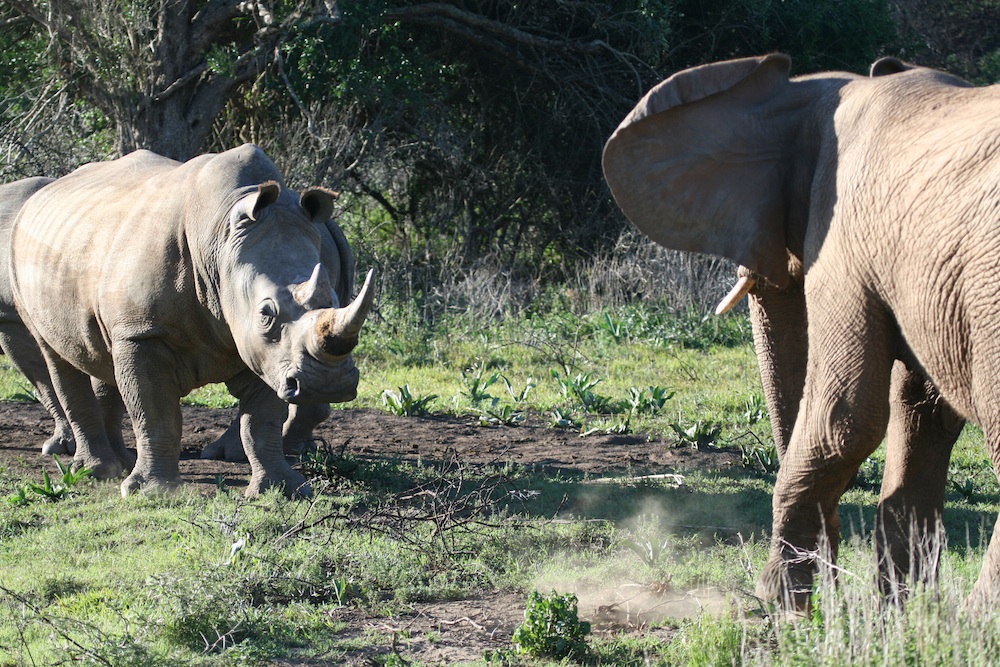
x=344, y=388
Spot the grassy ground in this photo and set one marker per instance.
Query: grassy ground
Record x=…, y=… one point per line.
x=186, y=579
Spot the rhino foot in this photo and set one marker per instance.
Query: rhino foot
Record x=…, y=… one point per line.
x=138, y=481
x=59, y=444
x=292, y=483
x=229, y=447
x=100, y=468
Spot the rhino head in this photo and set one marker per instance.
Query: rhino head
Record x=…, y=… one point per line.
x=284, y=314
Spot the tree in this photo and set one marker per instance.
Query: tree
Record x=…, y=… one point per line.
x=160, y=71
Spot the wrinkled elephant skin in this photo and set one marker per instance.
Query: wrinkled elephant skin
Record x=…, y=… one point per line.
x=156, y=277
x=882, y=189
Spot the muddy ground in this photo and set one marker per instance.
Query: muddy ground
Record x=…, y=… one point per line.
x=461, y=630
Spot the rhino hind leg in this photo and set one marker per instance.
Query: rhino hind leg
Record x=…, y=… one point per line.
x=85, y=415
x=22, y=350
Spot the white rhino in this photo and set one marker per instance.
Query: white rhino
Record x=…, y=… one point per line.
x=156, y=277
x=22, y=350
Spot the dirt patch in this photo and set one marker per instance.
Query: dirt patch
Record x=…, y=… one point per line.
x=440, y=632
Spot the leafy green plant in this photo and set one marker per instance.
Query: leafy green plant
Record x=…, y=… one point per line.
x=552, y=628
x=498, y=414
x=759, y=455
x=697, y=435
x=519, y=396
x=614, y=326
x=478, y=383
x=581, y=387
x=405, y=403
x=49, y=490
x=563, y=419
x=647, y=401
x=648, y=551
x=966, y=489
x=754, y=409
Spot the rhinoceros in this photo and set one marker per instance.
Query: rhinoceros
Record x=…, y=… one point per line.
x=156, y=277
x=22, y=350
x=15, y=340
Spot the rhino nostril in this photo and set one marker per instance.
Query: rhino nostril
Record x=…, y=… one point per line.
x=292, y=385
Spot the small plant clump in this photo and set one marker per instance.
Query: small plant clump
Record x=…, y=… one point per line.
x=405, y=403
x=552, y=628
x=48, y=490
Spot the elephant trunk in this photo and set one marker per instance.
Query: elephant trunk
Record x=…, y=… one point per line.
x=336, y=330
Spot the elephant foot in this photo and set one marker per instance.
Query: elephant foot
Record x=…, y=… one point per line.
x=291, y=482
x=148, y=483
x=229, y=447
x=59, y=444
x=787, y=584
x=99, y=468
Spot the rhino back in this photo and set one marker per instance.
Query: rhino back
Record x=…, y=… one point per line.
x=12, y=198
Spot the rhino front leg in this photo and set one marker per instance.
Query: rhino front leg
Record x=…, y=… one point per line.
x=262, y=414
x=112, y=410
x=297, y=434
x=228, y=447
x=144, y=371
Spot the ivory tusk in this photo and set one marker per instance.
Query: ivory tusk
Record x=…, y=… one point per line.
x=740, y=290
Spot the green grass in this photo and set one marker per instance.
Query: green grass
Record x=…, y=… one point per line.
x=154, y=580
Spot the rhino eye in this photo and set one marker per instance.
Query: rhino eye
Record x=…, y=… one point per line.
x=266, y=314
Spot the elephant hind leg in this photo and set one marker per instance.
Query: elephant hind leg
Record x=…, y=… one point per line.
x=841, y=421
x=922, y=431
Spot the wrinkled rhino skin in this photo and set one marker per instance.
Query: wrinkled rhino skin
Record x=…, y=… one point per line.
x=15, y=339
x=157, y=277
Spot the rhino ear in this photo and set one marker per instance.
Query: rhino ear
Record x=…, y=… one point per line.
x=318, y=203
x=889, y=65
x=267, y=194
x=701, y=162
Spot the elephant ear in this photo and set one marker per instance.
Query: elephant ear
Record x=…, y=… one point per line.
x=700, y=163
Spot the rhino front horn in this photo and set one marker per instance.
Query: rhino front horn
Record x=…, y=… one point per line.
x=337, y=329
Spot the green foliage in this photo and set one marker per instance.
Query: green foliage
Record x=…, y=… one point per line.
x=478, y=383
x=702, y=433
x=405, y=404
x=759, y=456
x=581, y=388
x=551, y=628
x=48, y=490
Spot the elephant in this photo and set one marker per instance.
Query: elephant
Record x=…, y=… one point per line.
x=156, y=277
x=22, y=350
x=876, y=193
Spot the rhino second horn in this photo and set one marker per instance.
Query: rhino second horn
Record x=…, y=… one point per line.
x=337, y=329
x=316, y=292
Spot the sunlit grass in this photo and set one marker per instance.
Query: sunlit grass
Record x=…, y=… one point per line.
x=154, y=580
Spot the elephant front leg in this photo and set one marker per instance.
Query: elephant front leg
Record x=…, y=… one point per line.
x=145, y=371
x=262, y=414
x=922, y=430
x=841, y=421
